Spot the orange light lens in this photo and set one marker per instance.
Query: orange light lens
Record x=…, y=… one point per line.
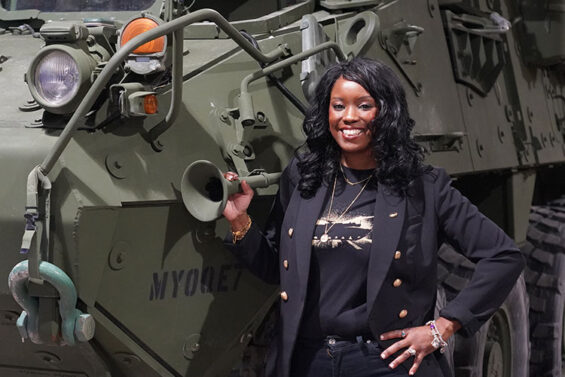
x=150, y=104
x=138, y=26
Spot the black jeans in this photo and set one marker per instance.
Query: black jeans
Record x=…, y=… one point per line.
x=341, y=358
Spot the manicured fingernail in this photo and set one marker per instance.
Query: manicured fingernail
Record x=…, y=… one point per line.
x=383, y=355
x=382, y=337
x=391, y=365
x=411, y=373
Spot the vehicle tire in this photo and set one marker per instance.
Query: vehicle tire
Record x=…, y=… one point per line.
x=545, y=280
x=500, y=348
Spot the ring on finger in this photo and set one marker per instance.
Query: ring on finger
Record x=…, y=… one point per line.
x=411, y=351
x=403, y=334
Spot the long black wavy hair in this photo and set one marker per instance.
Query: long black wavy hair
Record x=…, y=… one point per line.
x=399, y=158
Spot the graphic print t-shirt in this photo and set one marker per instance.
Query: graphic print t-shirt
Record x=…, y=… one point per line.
x=336, y=303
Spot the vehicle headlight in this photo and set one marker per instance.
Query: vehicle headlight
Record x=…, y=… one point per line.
x=59, y=77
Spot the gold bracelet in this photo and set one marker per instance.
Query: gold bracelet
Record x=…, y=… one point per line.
x=239, y=234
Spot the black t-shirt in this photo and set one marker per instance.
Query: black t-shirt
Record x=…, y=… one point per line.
x=336, y=302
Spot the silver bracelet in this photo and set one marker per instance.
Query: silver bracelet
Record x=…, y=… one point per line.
x=438, y=341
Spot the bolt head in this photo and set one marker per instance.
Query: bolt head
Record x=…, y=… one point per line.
x=84, y=327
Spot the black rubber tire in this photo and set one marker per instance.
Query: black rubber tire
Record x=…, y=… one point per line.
x=500, y=348
x=545, y=280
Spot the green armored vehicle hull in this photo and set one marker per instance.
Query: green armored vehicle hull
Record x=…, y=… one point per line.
x=105, y=105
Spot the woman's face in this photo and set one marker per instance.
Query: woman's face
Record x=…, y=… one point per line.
x=351, y=110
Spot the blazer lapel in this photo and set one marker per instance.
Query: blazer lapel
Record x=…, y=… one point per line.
x=305, y=223
x=388, y=221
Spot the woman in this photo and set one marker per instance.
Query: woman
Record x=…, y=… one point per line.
x=353, y=236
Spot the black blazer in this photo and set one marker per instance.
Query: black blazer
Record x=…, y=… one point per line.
x=407, y=232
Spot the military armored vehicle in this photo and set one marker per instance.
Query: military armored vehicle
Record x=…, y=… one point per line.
x=106, y=103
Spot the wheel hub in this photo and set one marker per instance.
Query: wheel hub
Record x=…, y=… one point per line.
x=497, y=360
x=495, y=363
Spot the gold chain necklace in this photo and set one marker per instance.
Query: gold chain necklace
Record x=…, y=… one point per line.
x=325, y=237
x=354, y=183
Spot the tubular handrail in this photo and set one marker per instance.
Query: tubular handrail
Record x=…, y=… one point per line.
x=247, y=114
x=295, y=58
x=176, y=92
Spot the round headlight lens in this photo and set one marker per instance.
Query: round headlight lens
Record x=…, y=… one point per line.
x=57, y=78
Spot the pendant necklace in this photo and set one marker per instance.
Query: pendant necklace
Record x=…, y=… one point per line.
x=325, y=237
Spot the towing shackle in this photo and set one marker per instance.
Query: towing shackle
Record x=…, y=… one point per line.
x=75, y=325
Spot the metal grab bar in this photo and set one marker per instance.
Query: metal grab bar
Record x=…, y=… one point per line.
x=176, y=93
x=245, y=102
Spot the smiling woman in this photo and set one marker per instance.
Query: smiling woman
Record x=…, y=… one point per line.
x=352, y=110
x=353, y=239
x=371, y=86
